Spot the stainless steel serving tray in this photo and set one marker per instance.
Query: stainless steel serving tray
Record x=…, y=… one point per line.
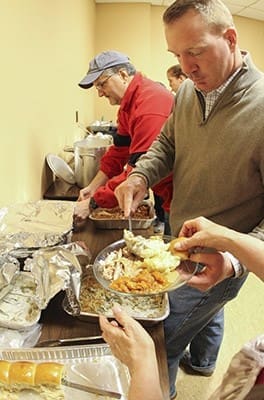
x=91, y=365
x=148, y=310
x=142, y=223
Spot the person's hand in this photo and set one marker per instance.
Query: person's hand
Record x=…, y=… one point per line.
x=128, y=340
x=217, y=267
x=200, y=232
x=130, y=193
x=85, y=194
x=81, y=213
x=133, y=346
x=202, y=239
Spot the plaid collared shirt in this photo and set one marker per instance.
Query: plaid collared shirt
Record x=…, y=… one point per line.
x=211, y=97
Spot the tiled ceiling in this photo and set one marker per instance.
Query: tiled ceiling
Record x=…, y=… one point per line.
x=244, y=8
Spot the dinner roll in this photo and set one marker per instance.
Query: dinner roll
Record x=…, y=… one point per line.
x=28, y=373
x=49, y=373
x=4, y=371
x=184, y=255
x=22, y=373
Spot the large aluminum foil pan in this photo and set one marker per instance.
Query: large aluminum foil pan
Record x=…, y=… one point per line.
x=27, y=227
x=9, y=267
x=122, y=223
x=46, y=274
x=93, y=300
x=93, y=365
x=18, y=307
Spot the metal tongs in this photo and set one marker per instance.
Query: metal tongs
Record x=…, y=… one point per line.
x=70, y=341
x=90, y=389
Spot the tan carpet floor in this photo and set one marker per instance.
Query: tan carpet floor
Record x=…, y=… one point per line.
x=244, y=320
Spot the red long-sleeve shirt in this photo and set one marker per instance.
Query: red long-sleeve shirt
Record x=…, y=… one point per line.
x=143, y=110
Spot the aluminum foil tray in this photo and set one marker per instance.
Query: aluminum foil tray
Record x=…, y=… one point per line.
x=148, y=309
x=40, y=216
x=23, y=294
x=26, y=227
x=18, y=307
x=92, y=365
x=118, y=223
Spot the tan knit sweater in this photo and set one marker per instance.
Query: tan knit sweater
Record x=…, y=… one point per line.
x=217, y=163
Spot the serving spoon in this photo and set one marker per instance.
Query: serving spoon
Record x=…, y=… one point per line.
x=129, y=223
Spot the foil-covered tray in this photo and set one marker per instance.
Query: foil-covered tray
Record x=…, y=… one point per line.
x=93, y=300
x=28, y=292
x=19, y=308
x=39, y=216
x=93, y=365
x=9, y=267
x=33, y=225
x=120, y=222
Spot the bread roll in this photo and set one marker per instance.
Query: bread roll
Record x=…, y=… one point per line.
x=27, y=373
x=48, y=373
x=4, y=371
x=184, y=255
x=22, y=373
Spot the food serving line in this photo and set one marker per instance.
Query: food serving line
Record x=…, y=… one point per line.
x=53, y=287
x=57, y=324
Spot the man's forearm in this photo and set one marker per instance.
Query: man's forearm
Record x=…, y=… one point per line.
x=99, y=180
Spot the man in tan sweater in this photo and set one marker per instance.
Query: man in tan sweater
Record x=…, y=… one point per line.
x=214, y=144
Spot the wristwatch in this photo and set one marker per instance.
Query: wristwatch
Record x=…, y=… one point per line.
x=93, y=204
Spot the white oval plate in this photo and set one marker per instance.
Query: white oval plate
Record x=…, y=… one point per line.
x=60, y=168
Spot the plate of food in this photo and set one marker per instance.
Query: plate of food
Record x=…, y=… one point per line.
x=141, y=266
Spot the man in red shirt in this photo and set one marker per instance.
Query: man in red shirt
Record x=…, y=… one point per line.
x=144, y=107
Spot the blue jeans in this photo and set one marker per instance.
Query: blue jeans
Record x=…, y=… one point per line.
x=205, y=345
x=191, y=321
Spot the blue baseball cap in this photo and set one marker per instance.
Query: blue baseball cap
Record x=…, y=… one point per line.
x=100, y=63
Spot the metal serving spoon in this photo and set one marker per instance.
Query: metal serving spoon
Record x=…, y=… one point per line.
x=130, y=223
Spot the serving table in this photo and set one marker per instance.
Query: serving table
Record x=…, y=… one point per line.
x=57, y=324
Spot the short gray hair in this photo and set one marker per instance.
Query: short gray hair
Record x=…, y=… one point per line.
x=131, y=70
x=214, y=12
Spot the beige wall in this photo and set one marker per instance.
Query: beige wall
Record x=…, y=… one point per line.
x=251, y=37
x=137, y=30
x=130, y=26
x=45, y=49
